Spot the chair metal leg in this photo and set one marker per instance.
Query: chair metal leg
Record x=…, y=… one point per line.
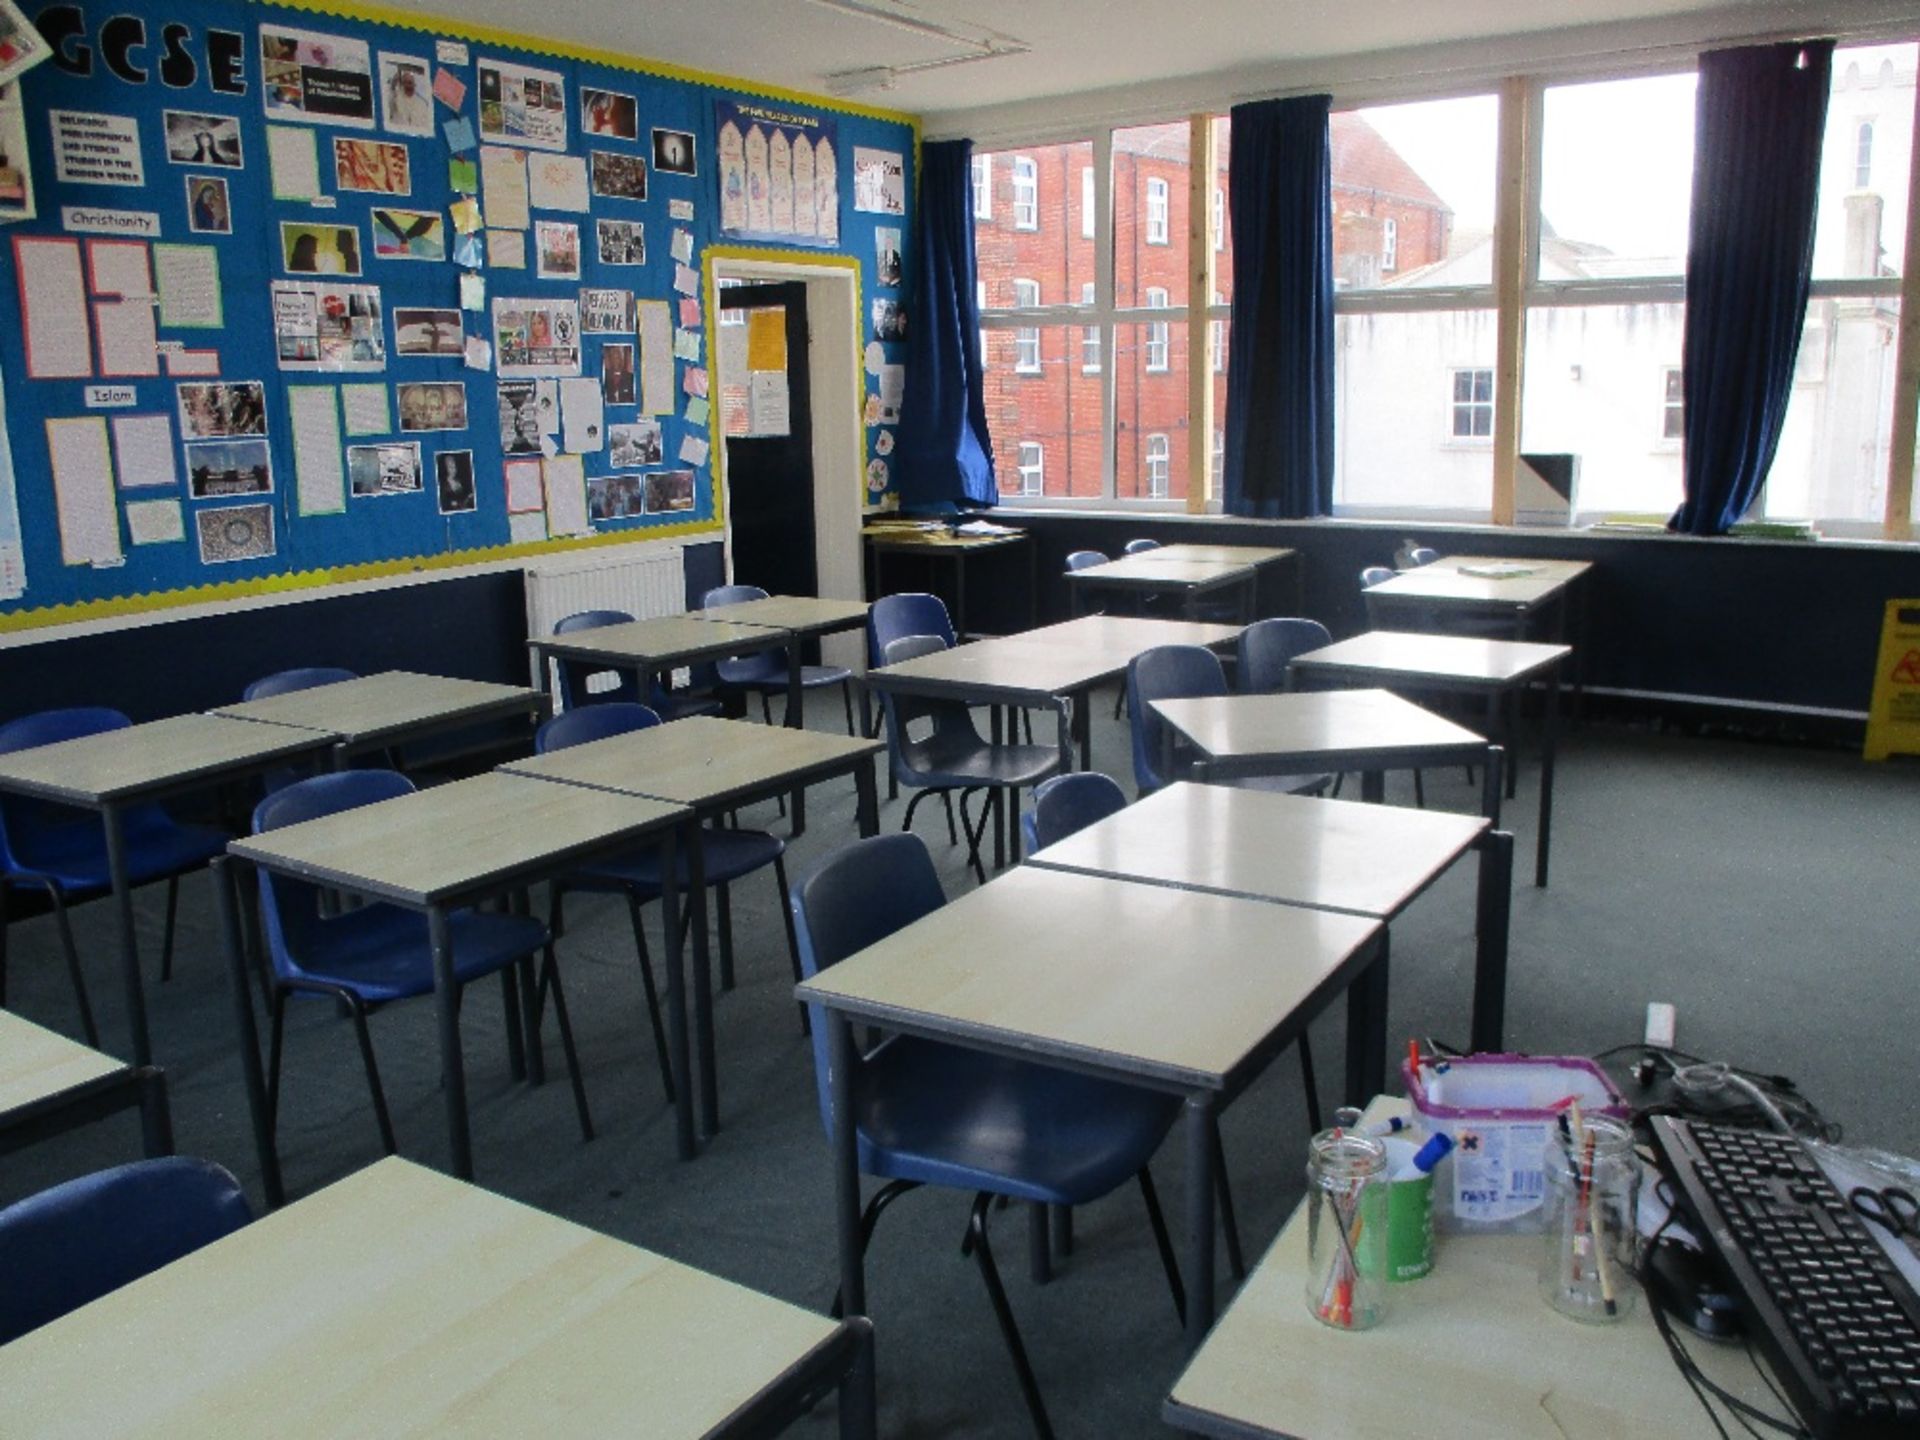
x=975, y=834
x=1236, y=1257
x=65, y=926
x=1039, y=1243
x=6, y=924
x=166, y=934
x=846, y=699
x=373, y=1075
x=1305, y=1046
x=1419, y=791
x=276, y=1039
x=516, y=1045
x=653, y=996
x=793, y=940
x=1162, y=1242
x=723, y=918
x=869, y=1219
x=766, y=708
x=946, y=799
x=550, y=978
x=976, y=1246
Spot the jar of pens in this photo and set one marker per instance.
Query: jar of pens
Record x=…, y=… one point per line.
x=1592, y=1188
x=1347, y=1229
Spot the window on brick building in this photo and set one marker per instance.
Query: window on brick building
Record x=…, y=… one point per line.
x=1389, y=244
x=1157, y=332
x=1026, y=193
x=1219, y=219
x=1472, y=406
x=1033, y=468
x=1026, y=340
x=1086, y=202
x=1863, y=156
x=1217, y=343
x=1089, y=337
x=1159, y=476
x=983, y=187
x=1217, y=468
x=979, y=304
x=1673, y=410
x=1157, y=208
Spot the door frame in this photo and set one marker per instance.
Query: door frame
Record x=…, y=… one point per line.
x=838, y=384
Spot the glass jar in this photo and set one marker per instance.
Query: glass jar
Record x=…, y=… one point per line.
x=1592, y=1238
x=1347, y=1229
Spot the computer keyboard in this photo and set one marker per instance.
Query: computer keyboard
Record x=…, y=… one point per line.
x=1823, y=1302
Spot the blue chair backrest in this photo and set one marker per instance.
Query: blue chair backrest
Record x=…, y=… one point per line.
x=1138, y=547
x=893, y=616
x=949, y=717
x=763, y=665
x=574, y=674
x=591, y=722
x=1374, y=575
x=856, y=897
x=68, y=1246
x=289, y=908
x=1267, y=647
x=1067, y=803
x=1081, y=559
x=1422, y=555
x=731, y=595
x=26, y=823
x=284, y=681
x=1166, y=672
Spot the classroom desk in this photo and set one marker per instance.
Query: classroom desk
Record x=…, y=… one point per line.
x=1490, y=668
x=1128, y=634
x=114, y=770
x=1179, y=992
x=434, y=851
x=1258, y=556
x=400, y=1302
x=50, y=1084
x=956, y=550
x=712, y=766
x=804, y=615
x=375, y=711
x=1371, y=860
x=1425, y=597
x=1471, y=1349
x=1149, y=574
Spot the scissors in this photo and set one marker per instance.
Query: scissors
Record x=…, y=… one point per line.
x=1892, y=1209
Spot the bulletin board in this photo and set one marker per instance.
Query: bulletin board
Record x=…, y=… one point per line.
x=304, y=294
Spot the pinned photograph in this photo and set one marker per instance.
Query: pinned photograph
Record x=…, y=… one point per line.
x=432, y=405
x=406, y=95
x=669, y=490
x=619, y=177
x=320, y=249
x=409, y=235
x=519, y=417
x=229, y=467
x=453, y=478
x=556, y=250
x=235, y=532
x=379, y=167
x=607, y=114
x=879, y=181
x=886, y=255
x=208, y=210
x=616, y=375
x=673, y=152
x=16, y=170
x=315, y=78
x=391, y=469
x=196, y=139
x=606, y=312
x=622, y=242
x=631, y=446
x=325, y=325
x=218, y=409
x=522, y=106
x=889, y=320
x=535, y=337
x=427, y=332
x=616, y=497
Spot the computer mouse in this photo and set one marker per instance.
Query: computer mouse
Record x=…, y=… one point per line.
x=1684, y=1284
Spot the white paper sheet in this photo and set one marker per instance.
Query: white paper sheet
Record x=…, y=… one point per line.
x=527, y=528
x=683, y=246
x=686, y=345
x=83, y=491
x=768, y=404
x=155, y=522
x=693, y=450
x=566, y=483
x=557, y=182
x=53, y=293
x=94, y=149
x=503, y=187
x=120, y=269
x=699, y=409
x=293, y=162
x=686, y=279
x=506, y=250
x=143, y=451
x=319, y=479
x=524, y=490
x=656, y=357
x=582, y=406
x=366, y=410
x=125, y=333
x=188, y=279
x=547, y=405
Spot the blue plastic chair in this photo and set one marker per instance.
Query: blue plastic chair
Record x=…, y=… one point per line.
x=1177, y=672
x=1374, y=575
x=1422, y=555
x=668, y=704
x=1267, y=647
x=728, y=855
x=1067, y=803
x=765, y=674
x=1085, y=559
x=63, y=850
x=954, y=755
x=375, y=954
x=928, y=1113
x=893, y=617
x=1140, y=547
x=284, y=682
x=68, y=1246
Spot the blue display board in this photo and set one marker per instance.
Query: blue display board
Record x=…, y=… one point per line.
x=238, y=232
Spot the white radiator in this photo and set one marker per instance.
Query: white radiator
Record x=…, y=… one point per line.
x=644, y=582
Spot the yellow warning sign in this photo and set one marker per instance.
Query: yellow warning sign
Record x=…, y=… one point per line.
x=1893, y=721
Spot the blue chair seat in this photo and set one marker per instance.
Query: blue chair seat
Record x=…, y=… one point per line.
x=753, y=673
x=942, y=1115
x=1284, y=784
x=383, y=953
x=73, y=853
x=729, y=855
x=962, y=759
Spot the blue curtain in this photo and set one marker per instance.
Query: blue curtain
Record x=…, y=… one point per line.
x=944, y=455
x=1760, y=117
x=1279, y=440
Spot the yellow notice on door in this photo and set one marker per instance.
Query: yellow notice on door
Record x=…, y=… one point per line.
x=767, y=338
x=1893, y=722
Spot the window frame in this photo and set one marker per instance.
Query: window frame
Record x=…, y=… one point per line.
x=1159, y=466
x=1089, y=228
x=1158, y=212
x=1471, y=407
x=1026, y=177
x=1672, y=407
x=1158, y=334
x=1033, y=478
x=983, y=187
x=1092, y=352
x=1389, y=245
x=1027, y=335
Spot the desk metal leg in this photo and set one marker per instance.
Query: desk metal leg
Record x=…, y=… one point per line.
x=1493, y=926
x=1549, y=748
x=453, y=1067
x=114, y=823
x=1199, y=1270
x=1373, y=787
x=677, y=1059
x=996, y=798
x=859, y=1402
x=225, y=876
x=846, y=1160
x=702, y=985
x=796, y=720
x=867, y=803
x=1491, y=784
x=1367, y=1027
x=1082, y=703
x=156, y=1119
x=518, y=903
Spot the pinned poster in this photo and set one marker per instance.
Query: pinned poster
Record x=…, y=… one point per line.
x=655, y=322
x=566, y=485
x=686, y=280
x=320, y=481
x=466, y=215
x=293, y=163
x=695, y=381
x=557, y=182
x=124, y=332
x=506, y=250
x=686, y=345
x=683, y=246
x=769, y=404
x=524, y=488
x=155, y=522
x=479, y=354
x=449, y=89
x=693, y=450
x=459, y=133
x=463, y=176
x=53, y=301
x=689, y=313
x=143, y=451
x=767, y=338
x=528, y=528
x=473, y=291
x=503, y=184
x=365, y=408
x=188, y=280
x=680, y=210
x=21, y=46
x=83, y=491
x=699, y=409
x=581, y=405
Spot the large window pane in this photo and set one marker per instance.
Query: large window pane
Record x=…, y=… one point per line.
x=1222, y=219
x=1616, y=178
x=1045, y=423
x=1397, y=423
x=1150, y=166
x=1413, y=193
x=1602, y=384
x=1832, y=460
x=1029, y=226
x=1862, y=225
x=1150, y=399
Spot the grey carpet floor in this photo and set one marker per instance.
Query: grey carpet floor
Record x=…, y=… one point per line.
x=1769, y=893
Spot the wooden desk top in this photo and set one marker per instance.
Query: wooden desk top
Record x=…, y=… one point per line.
x=451, y=840
x=36, y=1063
x=699, y=761
x=1145, y=571
x=1127, y=634
x=662, y=641
x=160, y=755
x=374, y=707
x=1443, y=581
x=1471, y=1349
x=1143, y=981
x=802, y=614
x=402, y=1302
x=1457, y=659
x=1216, y=554
x=1325, y=854
x=1006, y=668
x=1310, y=723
